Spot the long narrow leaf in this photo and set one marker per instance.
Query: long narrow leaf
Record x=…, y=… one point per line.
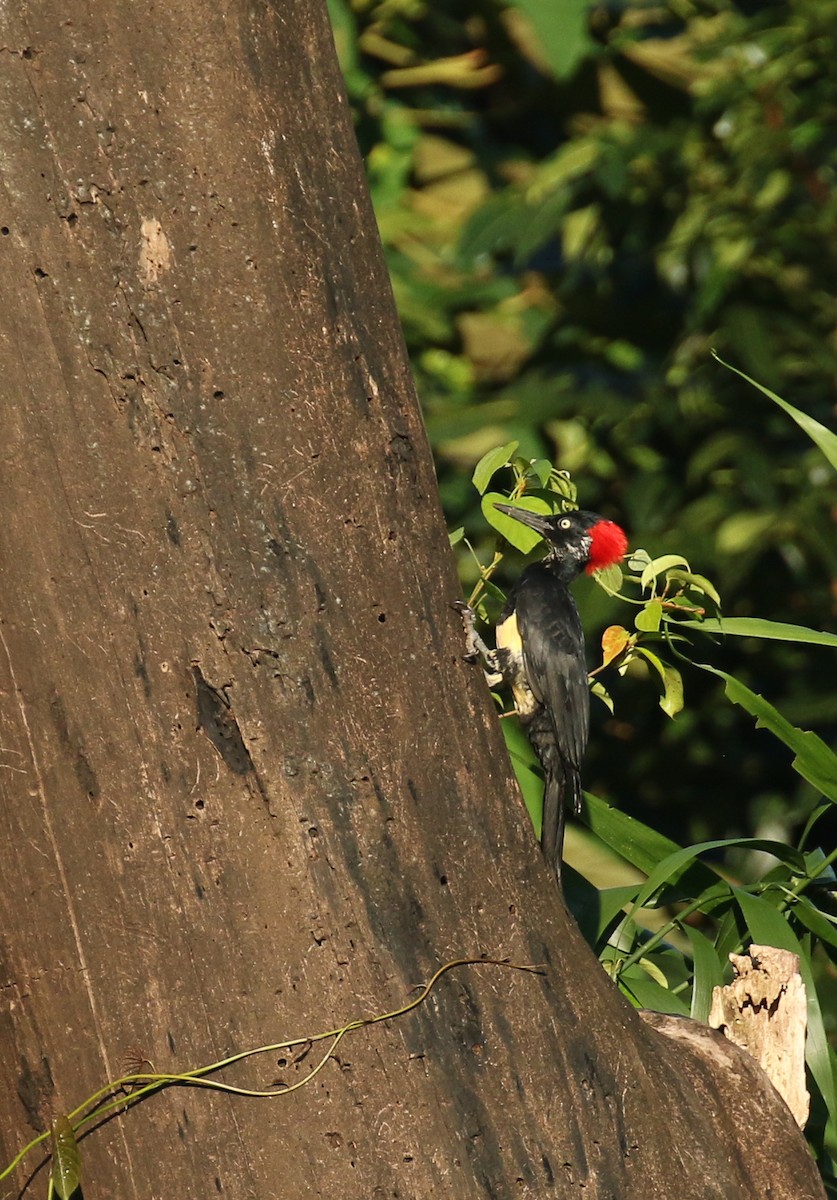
x=639, y=845
x=708, y=973
x=670, y=867
x=756, y=627
x=814, y=760
x=810, y=916
x=645, y=992
x=822, y=437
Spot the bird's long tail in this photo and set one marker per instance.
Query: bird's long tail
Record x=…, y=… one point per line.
x=554, y=817
x=562, y=789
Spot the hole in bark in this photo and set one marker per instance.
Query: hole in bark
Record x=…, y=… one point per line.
x=218, y=394
x=200, y=805
x=443, y=880
x=39, y=274
x=382, y=617
x=72, y=218
x=5, y=231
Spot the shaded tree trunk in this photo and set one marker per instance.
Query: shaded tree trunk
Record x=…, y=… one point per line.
x=250, y=790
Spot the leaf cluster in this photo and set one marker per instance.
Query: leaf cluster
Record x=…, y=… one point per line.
x=666, y=938
x=577, y=201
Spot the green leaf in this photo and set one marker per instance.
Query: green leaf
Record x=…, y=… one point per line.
x=819, y=435
x=650, y=968
x=768, y=927
x=519, y=536
x=491, y=462
x=757, y=627
x=66, y=1160
x=610, y=578
x=644, y=992
x=612, y=902
x=699, y=582
x=595, y=910
x=813, y=760
x=648, y=619
x=638, y=844
x=523, y=760
x=818, y=811
x=540, y=469
x=657, y=566
x=456, y=535
x=562, y=31
x=671, y=701
x=708, y=973
x=810, y=916
x=638, y=560
x=598, y=689
x=671, y=866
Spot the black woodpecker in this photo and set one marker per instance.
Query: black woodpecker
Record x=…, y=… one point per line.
x=540, y=655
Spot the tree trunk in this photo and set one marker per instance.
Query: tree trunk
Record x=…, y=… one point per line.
x=251, y=790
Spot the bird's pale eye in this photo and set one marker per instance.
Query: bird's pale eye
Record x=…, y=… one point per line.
x=565, y=524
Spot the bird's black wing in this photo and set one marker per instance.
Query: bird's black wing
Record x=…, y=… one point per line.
x=553, y=652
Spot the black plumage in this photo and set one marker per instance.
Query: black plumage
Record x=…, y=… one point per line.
x=540, y=655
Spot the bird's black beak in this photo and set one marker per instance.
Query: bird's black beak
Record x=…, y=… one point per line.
x=537, y=521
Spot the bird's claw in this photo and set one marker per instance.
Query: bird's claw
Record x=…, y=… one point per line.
x=474, y=645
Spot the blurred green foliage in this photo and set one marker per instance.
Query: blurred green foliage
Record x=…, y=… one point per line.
x=577, y=202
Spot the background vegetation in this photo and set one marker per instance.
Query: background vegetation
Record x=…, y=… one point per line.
x=578, y=202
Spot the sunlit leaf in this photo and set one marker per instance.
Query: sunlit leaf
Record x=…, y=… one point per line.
x=708, y=973
x=638, y=844
x=523, y=761
x=810, y=916
x=490, y=463
x=759, y=628
x=671, y=701
x=66, y=1159
x=644, y=992
x=648, y=618
x=456, y=535
x=610, y=578
x=814, y=760
x=598, y=690
x=614, y=640
x=650, y=967
x=699, y=582
x=657, y=566
x=672, y=866
x=519, y=536
x=562, y=32
x=638, y=560
x=822, y=437
x=541, y=469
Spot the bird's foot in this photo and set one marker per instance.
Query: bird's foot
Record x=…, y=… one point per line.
x=475, y=647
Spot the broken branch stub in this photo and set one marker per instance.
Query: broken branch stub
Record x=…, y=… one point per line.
x=764, y=1010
